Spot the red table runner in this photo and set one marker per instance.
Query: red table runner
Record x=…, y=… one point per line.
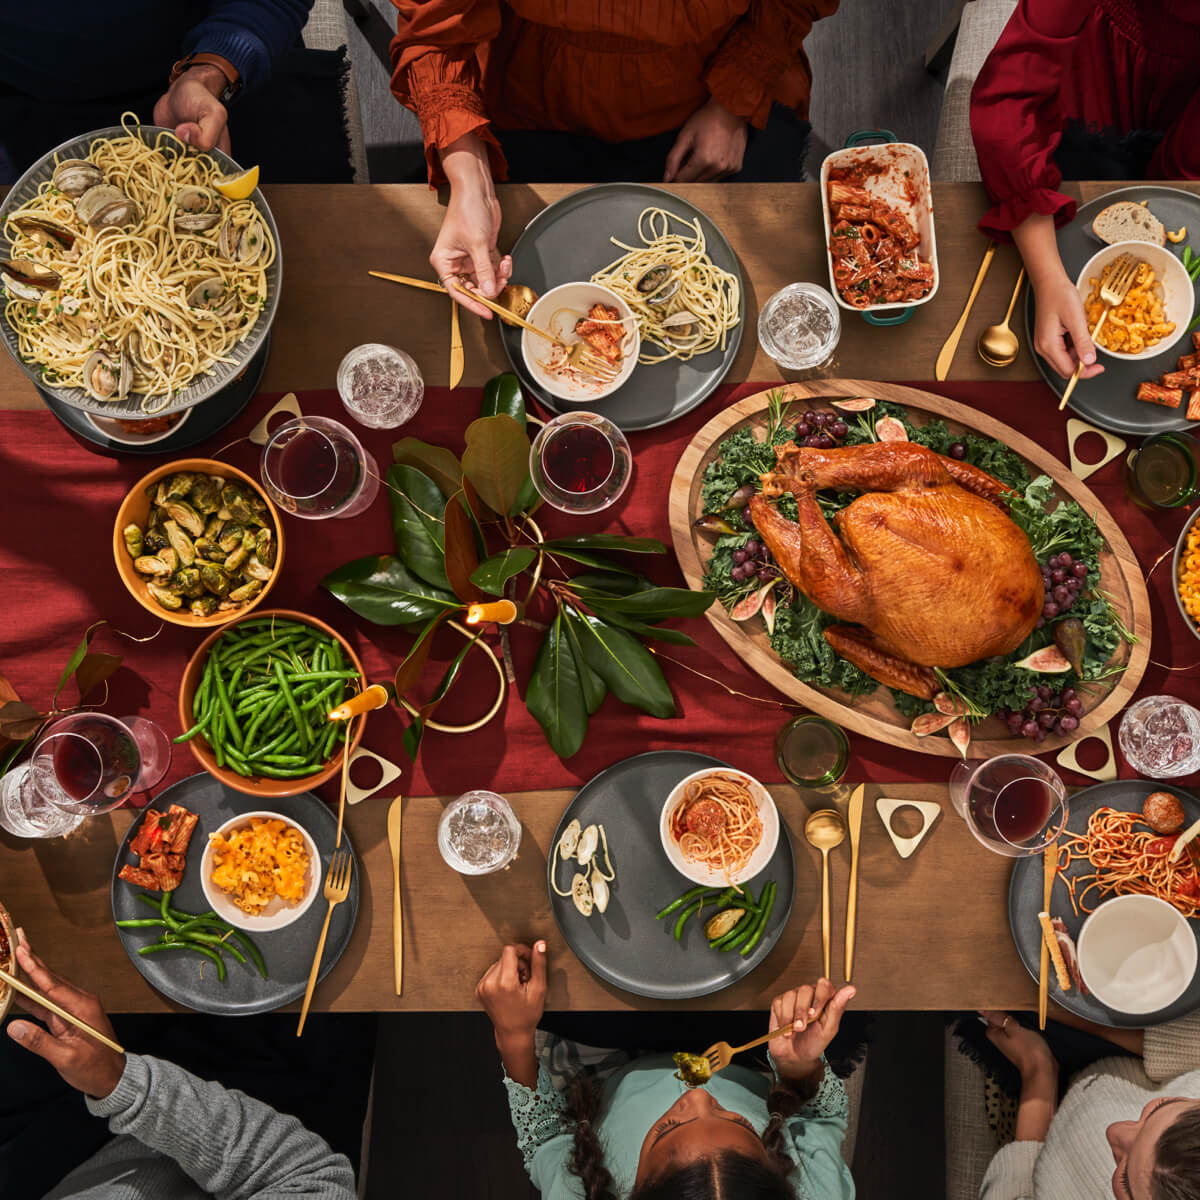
x=60, y=501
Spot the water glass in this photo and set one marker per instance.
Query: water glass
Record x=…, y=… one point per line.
x=380, y=386
x=1160, y=737
x=479, y=833
x=812, y=752
x=799, y=327
x=580, y=462
x=83, y=764
x=1014, y=804
x=1162, y=472
x=314, y=467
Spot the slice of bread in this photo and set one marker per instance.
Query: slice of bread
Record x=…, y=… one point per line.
x=1129, y=222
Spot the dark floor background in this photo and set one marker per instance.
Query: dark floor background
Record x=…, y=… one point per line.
x=438, y=1079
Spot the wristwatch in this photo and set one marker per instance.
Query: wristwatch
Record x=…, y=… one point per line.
x=233, y=83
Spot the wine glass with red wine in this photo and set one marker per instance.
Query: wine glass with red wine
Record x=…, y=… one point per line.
x=1013, y=803
x=580, y=462
x=84, y=764
x=314, y=467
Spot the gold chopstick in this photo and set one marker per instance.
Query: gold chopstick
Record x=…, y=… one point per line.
x=1049, y=871
x=410, y=281
x=37, y=996
x=506, y=313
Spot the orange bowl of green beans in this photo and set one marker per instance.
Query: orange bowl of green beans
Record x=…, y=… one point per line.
x=254, y=701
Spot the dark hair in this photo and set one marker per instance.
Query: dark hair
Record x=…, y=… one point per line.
x=725, y=1174
x=1176, y=1171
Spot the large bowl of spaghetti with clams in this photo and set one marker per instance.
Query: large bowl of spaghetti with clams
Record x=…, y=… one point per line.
x=131, y=286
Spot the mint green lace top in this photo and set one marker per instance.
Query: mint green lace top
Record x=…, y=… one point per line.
x=638, y=1094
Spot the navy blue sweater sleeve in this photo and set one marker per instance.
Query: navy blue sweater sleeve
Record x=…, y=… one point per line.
x=251, y=34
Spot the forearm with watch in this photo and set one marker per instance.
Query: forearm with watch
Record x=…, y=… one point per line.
x=214, y=71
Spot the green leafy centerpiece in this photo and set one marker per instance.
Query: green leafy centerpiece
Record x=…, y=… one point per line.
x=465, y=536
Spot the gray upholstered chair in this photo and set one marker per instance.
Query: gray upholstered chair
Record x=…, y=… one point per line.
x=970, y=1143
x=327, y=30
x=979, y=27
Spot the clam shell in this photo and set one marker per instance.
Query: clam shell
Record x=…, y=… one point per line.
x=107, y=376
x=105, y=206
x=74, y=176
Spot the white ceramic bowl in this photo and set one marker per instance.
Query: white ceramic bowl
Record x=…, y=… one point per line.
x=698, y=872
x=1137, y=954
x=1179, y=295
x=278, y=913
x=116, y=432
x=548, y=313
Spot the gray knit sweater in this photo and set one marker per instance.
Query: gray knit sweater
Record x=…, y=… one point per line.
x=1075, y=1162
x=181, y=1138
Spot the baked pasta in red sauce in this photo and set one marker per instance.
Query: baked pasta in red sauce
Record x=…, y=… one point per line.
x=874, y=246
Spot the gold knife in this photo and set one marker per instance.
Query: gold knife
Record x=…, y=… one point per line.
x=855, y=822
x=456, y=347
x=395, y=814
x=942, y=367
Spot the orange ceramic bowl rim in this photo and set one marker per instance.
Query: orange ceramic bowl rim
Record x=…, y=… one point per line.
x=135, y=585
x=257, y=785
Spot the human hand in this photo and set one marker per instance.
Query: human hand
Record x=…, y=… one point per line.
x=1060, y=333
x=816, y=1013
x=710, y=145
x=466, y=244
x=191, y=107
x=513, y=992
x=82, y=1061
x=1025, y=1048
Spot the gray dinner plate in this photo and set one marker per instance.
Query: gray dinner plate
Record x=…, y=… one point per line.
x=626, y=946
x=569, y=241
x=1110, y=400
x=1025, y=902
x=190, y=979
x=202, y=386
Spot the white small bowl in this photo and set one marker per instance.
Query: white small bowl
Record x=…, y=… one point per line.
x=698, y=872
x=536, y=350
x=278, y=913
x=1179, y=296
x=1137, y=954
x=115, y=432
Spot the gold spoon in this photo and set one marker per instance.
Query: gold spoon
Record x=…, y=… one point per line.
x=998, y=346
x=518, y=298
x=825, y=829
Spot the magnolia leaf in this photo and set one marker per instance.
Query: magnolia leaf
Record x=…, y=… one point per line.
x=12, y=750
x=496, y=460
x=654, y=633
x=609, y=582
x=94, y=670
x=417, y=506
x=625, y=665
x=383, y=590
x=587, y=558
x=607, y=541
x=554, y=695
x=437, y=462
x=18, y=719
x=594, y=688
x=7, y=691
x=410, y=739
x=409, y=671
x=502, y=394
x=495, y=572
x=658, y=603
x=462, y=557
x=75, y=659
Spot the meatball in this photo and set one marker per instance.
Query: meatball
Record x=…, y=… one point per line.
x=705, y=817
x=1163, y=812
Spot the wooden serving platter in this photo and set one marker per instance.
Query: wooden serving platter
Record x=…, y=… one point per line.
x=874, y=714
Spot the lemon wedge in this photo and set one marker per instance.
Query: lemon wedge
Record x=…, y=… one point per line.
x=238, y=187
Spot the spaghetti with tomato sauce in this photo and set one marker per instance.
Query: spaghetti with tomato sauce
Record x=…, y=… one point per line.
x=716, y=824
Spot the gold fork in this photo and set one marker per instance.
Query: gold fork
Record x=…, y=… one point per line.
x=720, y=1054
x=588, y=362
x=1114, y=287
x=337, y=888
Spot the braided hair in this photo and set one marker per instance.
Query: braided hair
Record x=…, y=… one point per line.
x=725, y=1174
x=1176, y=1171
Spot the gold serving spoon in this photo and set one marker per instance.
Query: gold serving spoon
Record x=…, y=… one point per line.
x=825, y=829
x=998, y=346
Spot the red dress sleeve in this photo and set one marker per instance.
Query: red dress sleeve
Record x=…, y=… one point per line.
x=1015, y=119
x=436, y=73
x=762, y=59
x=1178, y=154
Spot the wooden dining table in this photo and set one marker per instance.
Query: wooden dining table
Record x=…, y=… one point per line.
x=932, y=929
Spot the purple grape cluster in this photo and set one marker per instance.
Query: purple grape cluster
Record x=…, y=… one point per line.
x=821, y=430
x=1046, y=711
x=751, y=560
x=1064, y=578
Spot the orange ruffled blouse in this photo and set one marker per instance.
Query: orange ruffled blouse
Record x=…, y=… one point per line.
x=615, y=69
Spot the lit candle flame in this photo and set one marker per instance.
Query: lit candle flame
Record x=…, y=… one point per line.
x=503, y=612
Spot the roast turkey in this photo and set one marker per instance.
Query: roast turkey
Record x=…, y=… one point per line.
x=926, y=567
